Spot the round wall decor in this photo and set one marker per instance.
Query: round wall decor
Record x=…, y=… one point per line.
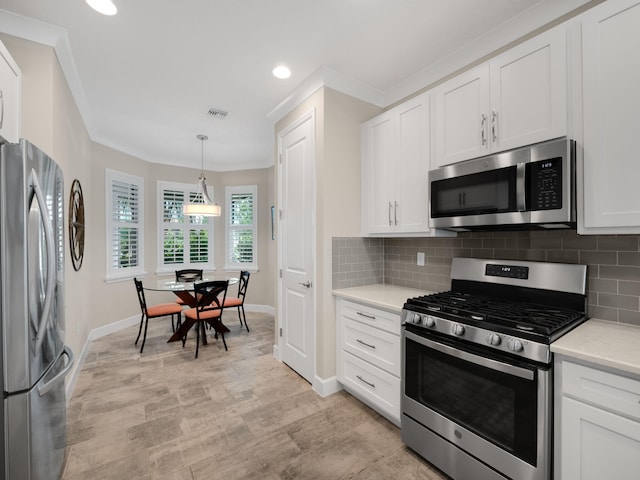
x=76, y=224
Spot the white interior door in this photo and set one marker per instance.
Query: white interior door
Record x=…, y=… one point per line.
x=297, y=250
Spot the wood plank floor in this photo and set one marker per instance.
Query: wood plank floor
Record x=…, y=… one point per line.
x=225, y=415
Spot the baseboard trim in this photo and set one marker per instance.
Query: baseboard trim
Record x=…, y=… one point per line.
x=260, y=309
x=326, y=387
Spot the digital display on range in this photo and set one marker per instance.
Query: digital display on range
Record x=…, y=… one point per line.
x=507, y=271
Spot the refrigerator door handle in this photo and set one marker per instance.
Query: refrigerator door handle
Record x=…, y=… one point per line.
x=51, y=258
x=43, y=389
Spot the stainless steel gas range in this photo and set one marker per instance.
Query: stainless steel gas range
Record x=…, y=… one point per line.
x=477, y=374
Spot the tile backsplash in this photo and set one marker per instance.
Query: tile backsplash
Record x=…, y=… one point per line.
x=613, y=263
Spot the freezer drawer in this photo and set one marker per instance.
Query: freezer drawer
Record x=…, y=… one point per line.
x=35, y=423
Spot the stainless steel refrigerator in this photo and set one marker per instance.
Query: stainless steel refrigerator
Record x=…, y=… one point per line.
x=34, y=358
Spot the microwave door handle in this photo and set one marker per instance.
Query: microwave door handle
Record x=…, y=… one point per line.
x=473, y=358
x=521, y=197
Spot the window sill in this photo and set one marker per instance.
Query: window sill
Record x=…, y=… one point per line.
x=238, y=268
x=124, y=277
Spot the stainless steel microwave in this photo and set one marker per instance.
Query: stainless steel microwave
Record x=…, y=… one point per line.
x=528, y=188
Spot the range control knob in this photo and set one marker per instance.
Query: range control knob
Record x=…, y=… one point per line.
x=430, y=321
x=493, y=339
x=457, y=330
x=417, y=318
x=515, y=345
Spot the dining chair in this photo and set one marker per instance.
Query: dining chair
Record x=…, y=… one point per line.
x=154, y=311
x=239, y=300
x=187, y=275
x=210, y=296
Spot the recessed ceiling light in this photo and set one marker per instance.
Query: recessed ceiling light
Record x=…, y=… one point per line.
x=281, y=72
x=105, y=7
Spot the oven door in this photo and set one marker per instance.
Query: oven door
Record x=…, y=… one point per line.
x=497, y=411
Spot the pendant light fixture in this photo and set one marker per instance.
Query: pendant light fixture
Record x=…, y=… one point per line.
x=206, y=207
x=105, y=7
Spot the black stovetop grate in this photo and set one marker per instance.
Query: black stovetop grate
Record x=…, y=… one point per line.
x=504, y=313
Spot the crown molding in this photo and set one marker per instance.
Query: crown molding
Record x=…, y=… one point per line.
x=46, y=34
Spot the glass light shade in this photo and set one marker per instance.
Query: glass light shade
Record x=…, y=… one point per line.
x=105, y=7
x=203, y=209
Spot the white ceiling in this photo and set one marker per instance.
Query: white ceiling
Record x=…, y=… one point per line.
x=145, y=78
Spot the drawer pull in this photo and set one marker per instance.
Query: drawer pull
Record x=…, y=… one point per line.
x=365, y=344
x=366, y=315
x=364, y=381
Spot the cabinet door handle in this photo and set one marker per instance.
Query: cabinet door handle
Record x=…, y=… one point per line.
x=390, y=214
x=372, y=385
x=494, y=119
x=395, y=213
x=365, y=344
x=366, y=315
x=483, y=124
x=1, y=108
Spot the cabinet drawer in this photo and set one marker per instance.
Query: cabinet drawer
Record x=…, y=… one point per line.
x=378, y=347
x=374, y=317
x=608, y=390
x=374, y=386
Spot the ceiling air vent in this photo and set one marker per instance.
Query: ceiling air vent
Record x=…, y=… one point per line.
x=217, y=113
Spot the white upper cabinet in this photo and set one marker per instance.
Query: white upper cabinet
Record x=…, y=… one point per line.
x=378, y=191
x=10, y=78
x=611, y=117
x=460, y=117
x=395, y=163
x=516, y=99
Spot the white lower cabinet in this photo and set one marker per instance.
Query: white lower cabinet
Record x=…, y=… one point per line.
x=368, y=356
x=599, y=424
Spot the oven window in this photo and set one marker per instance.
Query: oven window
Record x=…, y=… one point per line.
x=482, y=193
x=500, y=407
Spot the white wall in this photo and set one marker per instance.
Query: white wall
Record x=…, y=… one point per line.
x=51, y=120
x=338, y=119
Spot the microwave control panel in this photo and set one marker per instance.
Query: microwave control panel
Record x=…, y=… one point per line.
x=545, y=184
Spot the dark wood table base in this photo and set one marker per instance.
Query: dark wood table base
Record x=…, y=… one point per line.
x=181, y=333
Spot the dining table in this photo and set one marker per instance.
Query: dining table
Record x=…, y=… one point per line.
x=186, y=292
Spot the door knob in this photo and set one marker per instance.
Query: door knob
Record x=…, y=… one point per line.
x=306, y=284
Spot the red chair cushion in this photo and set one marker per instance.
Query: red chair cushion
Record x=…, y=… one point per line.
x=164, y=309
x=204, y=315
x=232, y=302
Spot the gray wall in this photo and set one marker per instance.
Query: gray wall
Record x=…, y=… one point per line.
x=613, y=263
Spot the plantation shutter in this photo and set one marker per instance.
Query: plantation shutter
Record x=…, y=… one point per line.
x=241, y=226
x=185, y=240
x=125, y=211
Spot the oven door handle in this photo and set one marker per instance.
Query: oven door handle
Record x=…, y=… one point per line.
x=470, y=357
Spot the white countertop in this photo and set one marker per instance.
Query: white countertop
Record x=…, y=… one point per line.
x=385, y=296
x=610, y=344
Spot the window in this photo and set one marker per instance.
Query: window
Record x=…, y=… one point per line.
x=183, y=241
x=125, y=225
x=242, y=228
